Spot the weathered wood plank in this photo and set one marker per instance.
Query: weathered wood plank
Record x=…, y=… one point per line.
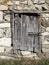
x=23, y=33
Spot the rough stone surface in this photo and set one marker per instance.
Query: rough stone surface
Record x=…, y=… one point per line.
x=38, y=7
x=4, y=25
x=8, y=50
x=47, y=1
x=8, y=33
x=1, y=49
x=35, y=1
x=41, y=1
x=7, y=18
x=1, y=16
x=1, y=33
x=3, y=7
x=5, y=42
x=47, y=29
x=46, y=46
x=45, y=6
x=45, y=50
x=30, y=2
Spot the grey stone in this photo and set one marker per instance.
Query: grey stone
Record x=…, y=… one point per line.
x=46, y=46
x=1, y=33
x=8, y=32
x=4, y=25
x=1, y=49
x=25, y=53
x=5, y=42
x=24, y=2
x=35, y=1
x=30, y=2
x=45, y=6
x=7, y=18
x=41, y=1
x=1, y=16
x=45, y=22
x=8, y=50
x=47, y=29
x=47, y=1
x=38, y=7
x=45, y=50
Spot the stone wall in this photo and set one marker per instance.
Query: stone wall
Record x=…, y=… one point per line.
x=5, y=32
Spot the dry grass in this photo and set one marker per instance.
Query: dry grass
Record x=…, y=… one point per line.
x=24, y=61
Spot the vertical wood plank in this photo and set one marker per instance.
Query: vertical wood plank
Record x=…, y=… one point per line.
x=23, y=33
x=17, y=28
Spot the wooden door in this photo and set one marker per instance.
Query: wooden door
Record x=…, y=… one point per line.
x=26, y=30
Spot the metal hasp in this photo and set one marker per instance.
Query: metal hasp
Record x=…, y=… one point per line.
x=26, y=31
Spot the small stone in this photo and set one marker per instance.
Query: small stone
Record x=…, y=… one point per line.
x=30, y=2
x=44, y=6
x=41, y=1
x=17, y=2
x=46, y=46
x=7, y=49
x=4, y=25
x=44, y=50
x=3, y=7
x=25, y=53
x=45, y=33
x=31, y=8
x=47, y=15
x=47, y=29
x=19, y=7
x=1, y=16
x=9, y=3
x=45, y=22
x=47, y=1
x=35, y=1
x=24, y=2
x=38, y=7
x=7, y=18
x=8, y=32
x=1, y=49
x=45, y=42
x=5, y=42
x=1, y=33
x=43, y=29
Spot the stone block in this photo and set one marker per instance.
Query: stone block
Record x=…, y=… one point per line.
x=44, y=50
x=5, y=42
x=45, y=42
x=1, y=16
x=38, y=7
x=43, y=29
x=30, y=2
x=45, y=7
x=4, y=25
x=41, y=1
x=47, y=29
x=8, y=32
x=47, y=1
x=46, y=46
x=25, y=53
x=1, y=33
x=8, y=49
x=18, y=2
x=7, y=18
x=3, y=7
x=35, y=1
x=1, y=49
